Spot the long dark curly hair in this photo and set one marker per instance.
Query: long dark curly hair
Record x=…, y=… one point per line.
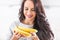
x=40, y=22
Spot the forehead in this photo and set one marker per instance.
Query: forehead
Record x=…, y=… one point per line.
x=29, y=3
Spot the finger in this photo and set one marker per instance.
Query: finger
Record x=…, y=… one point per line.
x=18, y=35
x=23, y=35
x=15, y=33
x=33, y=34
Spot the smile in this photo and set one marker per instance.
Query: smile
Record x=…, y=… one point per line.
x=29, y=16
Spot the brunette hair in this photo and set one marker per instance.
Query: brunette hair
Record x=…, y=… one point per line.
x=40, y=22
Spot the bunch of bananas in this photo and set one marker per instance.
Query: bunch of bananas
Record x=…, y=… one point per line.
x=25, y=31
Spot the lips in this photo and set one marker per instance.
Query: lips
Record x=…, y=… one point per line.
x=29, y=16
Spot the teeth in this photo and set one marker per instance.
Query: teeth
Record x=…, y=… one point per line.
x=29, y=16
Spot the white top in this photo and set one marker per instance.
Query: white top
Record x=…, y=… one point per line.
x=13, y=25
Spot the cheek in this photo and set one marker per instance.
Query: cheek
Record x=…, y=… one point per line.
x=34, y=14
x=25, y=12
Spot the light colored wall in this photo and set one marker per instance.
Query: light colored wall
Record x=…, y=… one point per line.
x=9, y=12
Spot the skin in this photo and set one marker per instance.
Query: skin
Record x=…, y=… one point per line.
x=29, y=14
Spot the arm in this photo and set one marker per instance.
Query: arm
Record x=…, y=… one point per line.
x=10, y=32
x=15, y=36
x=34, y=36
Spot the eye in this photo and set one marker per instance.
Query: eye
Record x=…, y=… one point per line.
x=32, y=9
x=26, y=8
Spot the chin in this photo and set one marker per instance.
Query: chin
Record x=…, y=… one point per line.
x=29, y=18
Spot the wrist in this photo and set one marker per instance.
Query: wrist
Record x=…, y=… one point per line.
x=35, y=38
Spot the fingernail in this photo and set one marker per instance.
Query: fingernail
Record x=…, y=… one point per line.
x=14, y=31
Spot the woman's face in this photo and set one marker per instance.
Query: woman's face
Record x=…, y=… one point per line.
x=29, y=11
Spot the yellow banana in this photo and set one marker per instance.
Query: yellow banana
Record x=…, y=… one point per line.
x=22, y=32
x=27, y=29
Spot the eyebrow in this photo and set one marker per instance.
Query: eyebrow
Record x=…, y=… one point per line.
x=27, y=7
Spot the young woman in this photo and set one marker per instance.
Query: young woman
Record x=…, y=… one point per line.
x=33, y=16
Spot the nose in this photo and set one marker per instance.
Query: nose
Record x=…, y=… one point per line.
x=29, y=12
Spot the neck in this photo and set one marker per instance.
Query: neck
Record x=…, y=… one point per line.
x=29, y=22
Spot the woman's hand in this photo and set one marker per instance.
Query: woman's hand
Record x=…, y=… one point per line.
x=34, y=36
x=16, y=36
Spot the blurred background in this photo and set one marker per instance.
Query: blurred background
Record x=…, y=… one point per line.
x=9, y=10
